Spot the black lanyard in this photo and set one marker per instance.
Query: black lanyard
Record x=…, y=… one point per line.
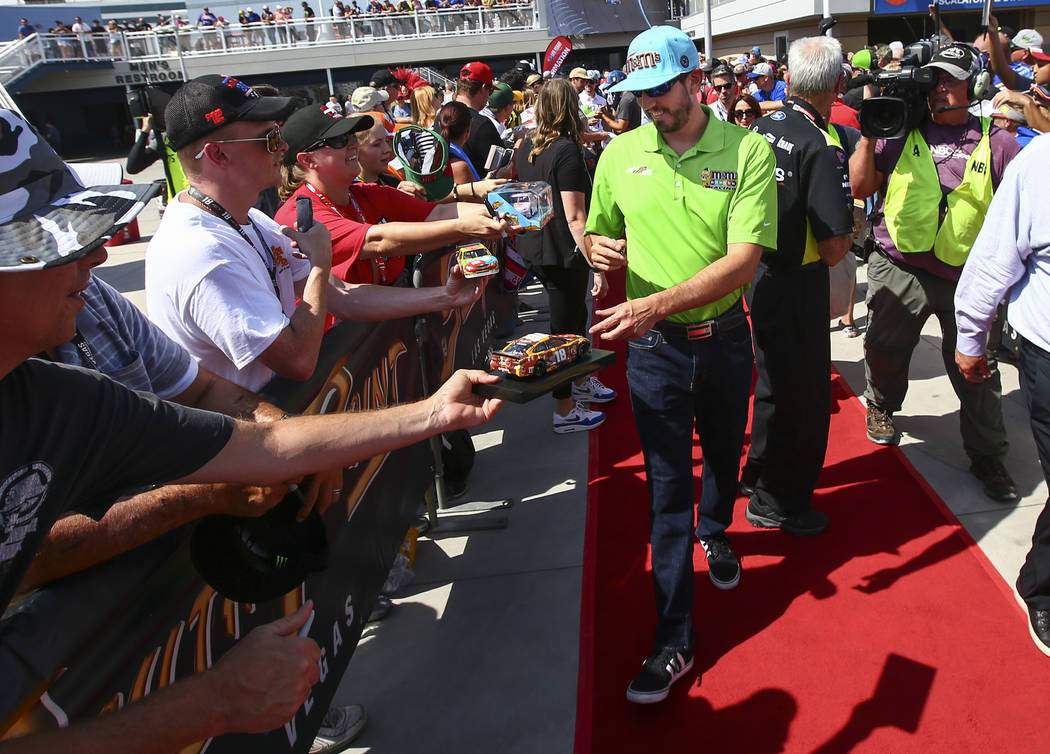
x=85, y=350
x=219, y=211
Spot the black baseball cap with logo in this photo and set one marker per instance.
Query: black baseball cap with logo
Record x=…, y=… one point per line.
x=383, y=77
x=209, y=102
x=314, y=123
x=259, y=559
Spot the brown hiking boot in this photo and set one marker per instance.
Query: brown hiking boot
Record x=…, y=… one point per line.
x=880, y=426
x=996, y=480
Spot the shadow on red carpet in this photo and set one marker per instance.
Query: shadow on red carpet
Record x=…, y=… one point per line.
x=889, y=633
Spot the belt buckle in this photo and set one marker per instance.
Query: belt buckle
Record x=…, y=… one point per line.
x=700, y=331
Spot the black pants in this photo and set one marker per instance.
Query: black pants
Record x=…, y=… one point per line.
x=1033, y=584
x=792, y=405
x=567, y=294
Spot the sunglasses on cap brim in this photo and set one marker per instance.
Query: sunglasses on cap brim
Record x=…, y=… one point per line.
x=661, y=89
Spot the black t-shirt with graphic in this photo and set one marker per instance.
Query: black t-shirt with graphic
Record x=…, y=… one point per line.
x=72, y=439
x=561, y=165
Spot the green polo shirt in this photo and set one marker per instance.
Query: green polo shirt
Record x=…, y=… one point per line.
x=679, y=213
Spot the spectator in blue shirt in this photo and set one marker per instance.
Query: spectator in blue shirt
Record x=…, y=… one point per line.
x=769, y=92
x=25, y=29
x=206, y=18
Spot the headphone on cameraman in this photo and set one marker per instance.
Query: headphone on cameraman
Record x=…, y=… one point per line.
x=979, y=82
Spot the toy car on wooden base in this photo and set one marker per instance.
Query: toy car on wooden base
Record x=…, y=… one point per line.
x=476, y=261
x=538, y=353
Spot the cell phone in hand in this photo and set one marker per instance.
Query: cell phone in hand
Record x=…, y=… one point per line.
x=304, y=213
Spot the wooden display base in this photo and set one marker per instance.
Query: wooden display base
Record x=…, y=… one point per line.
x=525, y=389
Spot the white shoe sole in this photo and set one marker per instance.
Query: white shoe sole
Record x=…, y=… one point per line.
x=652, y=697
x=567, y=428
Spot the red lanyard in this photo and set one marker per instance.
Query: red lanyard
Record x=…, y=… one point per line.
x=378, y=262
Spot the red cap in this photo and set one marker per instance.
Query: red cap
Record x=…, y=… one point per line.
x=1039, y=55
x=477, y=71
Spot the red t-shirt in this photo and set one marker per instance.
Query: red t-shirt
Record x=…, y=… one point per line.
x=844, y=115
x=375, y=204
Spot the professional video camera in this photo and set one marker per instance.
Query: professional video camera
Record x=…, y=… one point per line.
x=901, y=104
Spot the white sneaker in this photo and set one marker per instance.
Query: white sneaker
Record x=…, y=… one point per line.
x=592, y=391
x=577, y=420
x=340, y=726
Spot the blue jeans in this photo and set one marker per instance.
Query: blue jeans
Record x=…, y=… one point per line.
x=677, y=384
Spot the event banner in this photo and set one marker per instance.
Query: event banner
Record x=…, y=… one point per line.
x=96, y=641
x=899, y=7
x=603, y=16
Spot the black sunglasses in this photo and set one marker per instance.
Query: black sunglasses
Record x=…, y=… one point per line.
x=738, y=114
x=332, y=142
x=722, y=87
x=661, y=89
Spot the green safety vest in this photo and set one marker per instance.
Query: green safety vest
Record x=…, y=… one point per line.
x=173, y=172
x=913, y=201
x=811, y=255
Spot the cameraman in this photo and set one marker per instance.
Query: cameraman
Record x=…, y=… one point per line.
x=934, y=188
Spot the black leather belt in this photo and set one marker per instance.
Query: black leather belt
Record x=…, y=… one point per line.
x=702, y=330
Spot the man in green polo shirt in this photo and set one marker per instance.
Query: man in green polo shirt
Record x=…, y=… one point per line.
x=687, y=204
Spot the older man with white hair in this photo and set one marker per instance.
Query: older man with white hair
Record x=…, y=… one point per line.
x=789, y=306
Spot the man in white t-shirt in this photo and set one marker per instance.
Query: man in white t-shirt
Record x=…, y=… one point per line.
x=221, y=278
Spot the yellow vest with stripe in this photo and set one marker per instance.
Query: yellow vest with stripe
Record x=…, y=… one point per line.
x=913, y=200
x=811, y=255
x=174, y=175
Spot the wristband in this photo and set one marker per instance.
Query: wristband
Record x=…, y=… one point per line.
x=455, y=192
x=472, y=194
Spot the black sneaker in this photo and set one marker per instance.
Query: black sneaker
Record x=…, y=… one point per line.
x=880, y=426
x=748, y=480
x=801, y=524
x=660, y=669
x=996, y=480
x=1039, y=627
x=723, y=566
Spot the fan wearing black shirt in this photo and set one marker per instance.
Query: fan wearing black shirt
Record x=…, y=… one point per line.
x=473, y=90
x=789, y=300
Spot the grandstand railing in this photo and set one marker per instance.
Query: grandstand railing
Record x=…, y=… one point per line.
x=166, y=43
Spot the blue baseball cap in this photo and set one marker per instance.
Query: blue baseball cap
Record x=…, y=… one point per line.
x=656, y=56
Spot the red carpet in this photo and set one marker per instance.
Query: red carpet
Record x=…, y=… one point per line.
x=889, y=633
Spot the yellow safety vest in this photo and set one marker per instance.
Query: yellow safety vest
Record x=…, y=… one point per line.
x=175, y=177
x=811, y=255
x=913, y=199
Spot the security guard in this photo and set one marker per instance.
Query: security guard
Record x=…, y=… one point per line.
x=789, y=303
x=935, y=187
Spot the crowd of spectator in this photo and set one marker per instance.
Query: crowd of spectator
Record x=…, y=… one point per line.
x=247, y=312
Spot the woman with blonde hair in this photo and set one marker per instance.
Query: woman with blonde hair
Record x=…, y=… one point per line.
x=425, y=103
x=554, y=153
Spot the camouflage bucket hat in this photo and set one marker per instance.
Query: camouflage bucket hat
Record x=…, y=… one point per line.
x=47, y=217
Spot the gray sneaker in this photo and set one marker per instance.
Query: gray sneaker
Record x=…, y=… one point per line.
x=341, y=725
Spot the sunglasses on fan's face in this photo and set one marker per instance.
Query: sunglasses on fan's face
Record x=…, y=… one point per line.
x=738, y=114
x=334, y=142
x=661, y=89
x=272, y=139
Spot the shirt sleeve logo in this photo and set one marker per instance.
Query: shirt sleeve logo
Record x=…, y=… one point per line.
x=720, y=180
x=21, y=495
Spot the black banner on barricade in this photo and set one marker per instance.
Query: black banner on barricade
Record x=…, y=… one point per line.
x=108, y=636
x=459, y=338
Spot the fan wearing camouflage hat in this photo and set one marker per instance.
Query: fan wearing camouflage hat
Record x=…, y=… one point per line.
x=222, y=279
x=106, y=440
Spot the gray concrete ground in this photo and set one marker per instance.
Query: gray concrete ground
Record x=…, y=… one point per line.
x=480, y=651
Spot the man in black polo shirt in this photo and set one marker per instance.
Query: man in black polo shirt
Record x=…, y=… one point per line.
x=789, y=302
x=473, y=90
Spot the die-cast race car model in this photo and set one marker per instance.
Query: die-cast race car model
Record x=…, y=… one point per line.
x=537, y=353
x=476, y=261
